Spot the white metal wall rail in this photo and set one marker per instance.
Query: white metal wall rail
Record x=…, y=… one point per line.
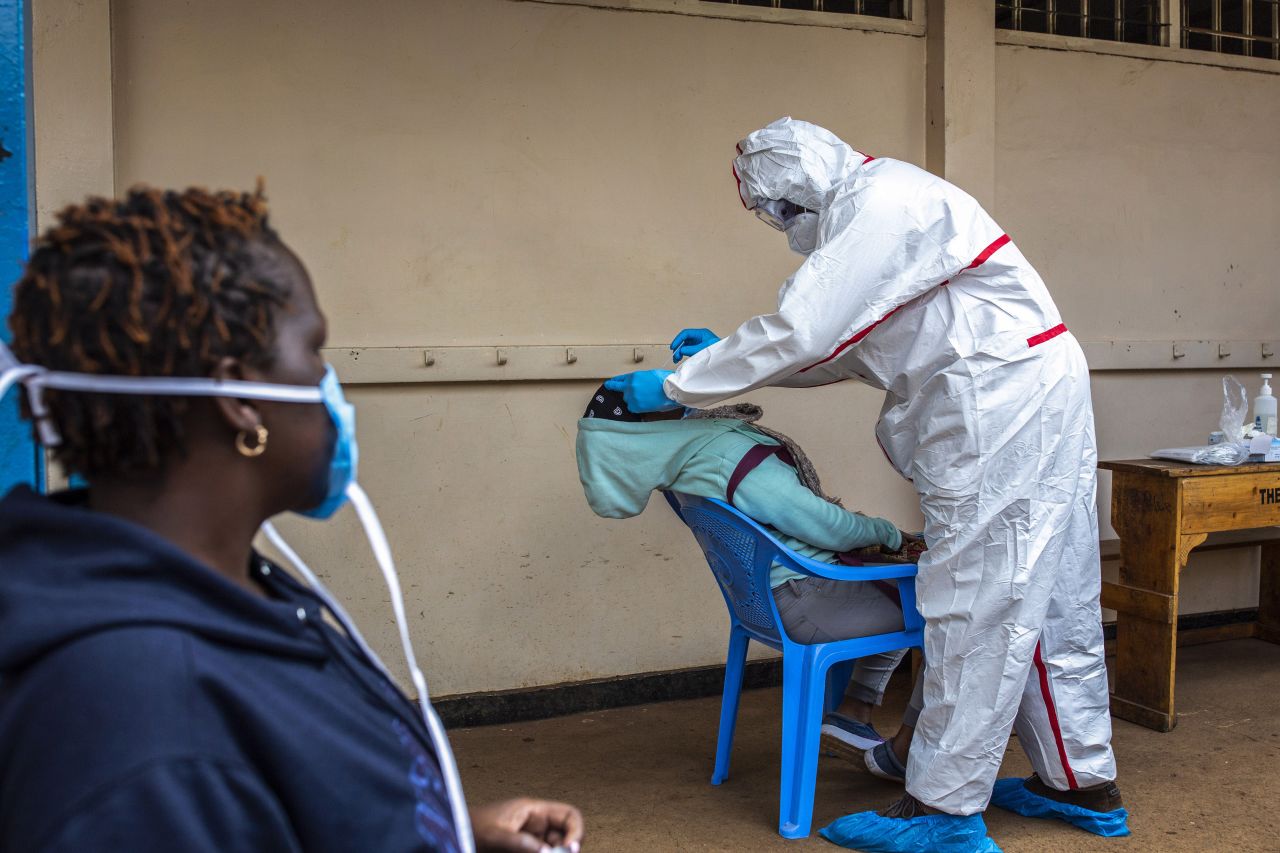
x=534, y=363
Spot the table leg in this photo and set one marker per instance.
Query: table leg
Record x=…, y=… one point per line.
x=1269, y=594
x=1152, y=554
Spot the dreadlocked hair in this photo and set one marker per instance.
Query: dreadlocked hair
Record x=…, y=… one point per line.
x=158, y=283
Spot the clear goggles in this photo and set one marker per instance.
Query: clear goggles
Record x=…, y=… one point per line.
x=777, y=213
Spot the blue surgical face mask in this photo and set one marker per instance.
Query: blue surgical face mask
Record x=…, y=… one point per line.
x=342, y=463
x=346, y=453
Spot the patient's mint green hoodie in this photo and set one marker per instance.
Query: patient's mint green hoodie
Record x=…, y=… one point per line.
x=622, y=463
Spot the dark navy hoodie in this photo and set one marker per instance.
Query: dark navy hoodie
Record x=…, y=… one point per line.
x=149, y=704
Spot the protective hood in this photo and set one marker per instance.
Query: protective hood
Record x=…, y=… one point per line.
x=795, y=161
x=620, y=464
x=67, y=572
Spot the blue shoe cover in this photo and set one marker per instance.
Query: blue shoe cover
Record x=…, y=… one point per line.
x=1012, y=795
x=940, y=833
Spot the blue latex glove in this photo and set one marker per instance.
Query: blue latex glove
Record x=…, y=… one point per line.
x=642, y=390
x=690, y=341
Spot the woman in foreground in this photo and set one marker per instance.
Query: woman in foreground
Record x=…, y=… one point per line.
x=162, y=685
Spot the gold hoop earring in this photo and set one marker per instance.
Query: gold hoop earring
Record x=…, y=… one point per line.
x=260, y=433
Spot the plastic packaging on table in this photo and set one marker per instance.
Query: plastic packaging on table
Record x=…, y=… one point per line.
x=1226, y=450
x=1235, y=408
x=1206, y=454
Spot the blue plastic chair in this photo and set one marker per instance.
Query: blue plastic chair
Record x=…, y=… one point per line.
x=741, y=554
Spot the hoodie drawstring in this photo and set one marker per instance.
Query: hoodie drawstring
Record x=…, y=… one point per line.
x=382, y=554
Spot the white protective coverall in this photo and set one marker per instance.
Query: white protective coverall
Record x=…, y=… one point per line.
x=913, y=289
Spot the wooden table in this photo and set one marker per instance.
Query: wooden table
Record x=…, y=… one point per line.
x=1162, y=510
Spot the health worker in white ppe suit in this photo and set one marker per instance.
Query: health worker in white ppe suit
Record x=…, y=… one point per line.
x=909, y=286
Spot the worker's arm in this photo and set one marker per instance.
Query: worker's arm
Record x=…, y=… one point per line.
x=822, y=374
x=887, y=253
x=773, y=495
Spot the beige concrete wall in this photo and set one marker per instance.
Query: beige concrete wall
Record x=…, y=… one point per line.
x=1144, y=192
x=72, y=114
x=71, y=90
x=501, y=172
x=465, y=171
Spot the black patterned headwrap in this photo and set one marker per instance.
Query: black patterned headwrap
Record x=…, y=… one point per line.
x=609, y=405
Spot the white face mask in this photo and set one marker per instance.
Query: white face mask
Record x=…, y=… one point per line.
x=802, y=233
x=36, y=378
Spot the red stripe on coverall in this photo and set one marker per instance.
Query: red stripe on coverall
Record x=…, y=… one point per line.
x=1037, y=340
x=734, y=166
x=889, y=459
x=1053, y=718
x=739, y=182
x=978, y=261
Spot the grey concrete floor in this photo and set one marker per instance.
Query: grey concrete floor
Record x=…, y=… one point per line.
x=642, y=775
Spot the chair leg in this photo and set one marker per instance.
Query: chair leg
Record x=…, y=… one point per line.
x=803, y=691
x=735, y=664
x=837, y=682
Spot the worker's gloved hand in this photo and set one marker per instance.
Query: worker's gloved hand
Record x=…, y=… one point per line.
x=691, y=341
x=642, y=390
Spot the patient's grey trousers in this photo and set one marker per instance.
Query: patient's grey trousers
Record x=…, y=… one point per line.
x=818, y=610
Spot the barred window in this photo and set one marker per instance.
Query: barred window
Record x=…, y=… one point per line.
x=1133, y=21
x=1242, y=27
x=899, y=9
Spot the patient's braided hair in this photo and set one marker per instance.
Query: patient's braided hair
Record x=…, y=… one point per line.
x=158, y=283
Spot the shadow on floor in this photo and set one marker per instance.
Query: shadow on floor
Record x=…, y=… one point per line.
x=641, y=775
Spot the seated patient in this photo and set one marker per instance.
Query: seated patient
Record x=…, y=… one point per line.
x=623, y=457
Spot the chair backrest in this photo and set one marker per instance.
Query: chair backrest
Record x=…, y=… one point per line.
x=740, y=554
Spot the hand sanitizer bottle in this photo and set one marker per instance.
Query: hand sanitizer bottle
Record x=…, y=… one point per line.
x=1264, y=408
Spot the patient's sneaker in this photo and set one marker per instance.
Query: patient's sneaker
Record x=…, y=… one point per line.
x=881, y=761
x=846, y=737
